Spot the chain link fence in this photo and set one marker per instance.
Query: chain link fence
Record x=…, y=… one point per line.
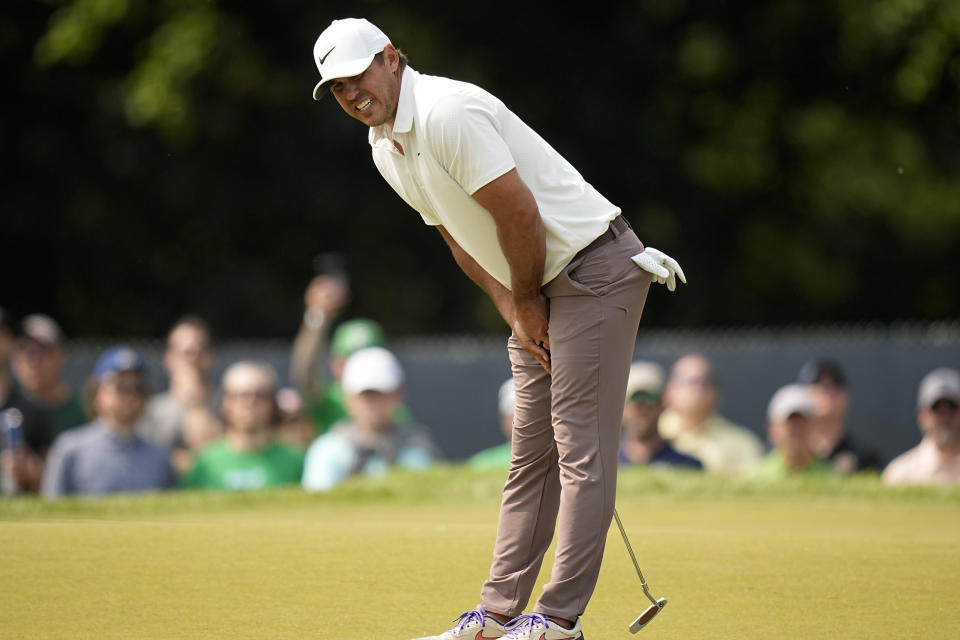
x=452, y=381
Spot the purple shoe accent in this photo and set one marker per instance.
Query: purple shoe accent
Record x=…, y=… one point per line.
x=523, y=622
x=475, y=615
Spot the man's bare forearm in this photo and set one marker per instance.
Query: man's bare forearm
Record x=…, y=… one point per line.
x=307, y=357
x=498, y=293
x=522, y=239
x=520, y=231
x=523, y=242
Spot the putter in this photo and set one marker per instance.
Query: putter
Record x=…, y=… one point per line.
x=644, y=618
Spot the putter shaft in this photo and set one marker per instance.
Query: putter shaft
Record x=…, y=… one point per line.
x=636, y=565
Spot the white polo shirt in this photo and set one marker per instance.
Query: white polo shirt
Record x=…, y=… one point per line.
x=456, y=138
x=924, y=464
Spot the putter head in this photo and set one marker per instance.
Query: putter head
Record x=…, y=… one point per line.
x=644, y=618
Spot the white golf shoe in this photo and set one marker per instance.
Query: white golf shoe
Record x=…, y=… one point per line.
x=533, y=626
x=472, y=625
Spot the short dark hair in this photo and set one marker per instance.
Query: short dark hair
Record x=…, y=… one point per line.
x=821, y=371
x=192, y=320
x=403, y=58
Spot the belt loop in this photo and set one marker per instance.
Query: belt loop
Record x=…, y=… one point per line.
x=618, y=225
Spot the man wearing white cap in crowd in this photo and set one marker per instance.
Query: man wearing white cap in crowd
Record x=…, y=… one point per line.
x=641, y=442
x=936, y=460
x=790, y=416
x=369, y=441
x=498, y=456
x=566, y=272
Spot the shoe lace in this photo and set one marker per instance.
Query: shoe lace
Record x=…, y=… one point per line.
x=474, y=615
x=522, y=623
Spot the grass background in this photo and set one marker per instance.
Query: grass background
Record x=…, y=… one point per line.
x=401, y=556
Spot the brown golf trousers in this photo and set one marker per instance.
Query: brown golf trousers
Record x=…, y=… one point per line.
x=563, y=473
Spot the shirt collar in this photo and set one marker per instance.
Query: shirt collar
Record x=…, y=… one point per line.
x=114, y=436
x=403, y=122
x=936, y=458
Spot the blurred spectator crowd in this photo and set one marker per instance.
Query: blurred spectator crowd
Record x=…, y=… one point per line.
x=345, y=414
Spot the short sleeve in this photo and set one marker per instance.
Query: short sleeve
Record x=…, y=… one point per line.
x=464, y=135
x=56, y=472
x=327, y=463
x=193, y=478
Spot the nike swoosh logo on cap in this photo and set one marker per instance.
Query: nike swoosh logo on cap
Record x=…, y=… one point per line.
x=324, y=57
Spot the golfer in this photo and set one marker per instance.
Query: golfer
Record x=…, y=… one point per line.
x=565, y=271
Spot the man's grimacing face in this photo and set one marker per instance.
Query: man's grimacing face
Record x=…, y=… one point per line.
x=371, y=97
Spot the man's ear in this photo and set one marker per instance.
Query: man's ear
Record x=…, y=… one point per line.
x=391, y=58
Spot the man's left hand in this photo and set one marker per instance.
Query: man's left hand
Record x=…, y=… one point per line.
x=665, y=269
x=530, y=325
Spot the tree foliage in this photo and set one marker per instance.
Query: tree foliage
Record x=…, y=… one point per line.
x=800, y=159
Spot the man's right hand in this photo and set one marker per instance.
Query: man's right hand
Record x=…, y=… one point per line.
x=327, y=295
x=187, y=382
x=531, y=322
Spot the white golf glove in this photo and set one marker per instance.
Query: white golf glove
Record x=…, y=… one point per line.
x=665, y=269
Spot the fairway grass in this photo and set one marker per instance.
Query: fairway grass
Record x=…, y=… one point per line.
x=401, y=556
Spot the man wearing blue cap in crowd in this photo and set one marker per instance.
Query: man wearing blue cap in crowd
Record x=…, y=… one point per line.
x=106, y=456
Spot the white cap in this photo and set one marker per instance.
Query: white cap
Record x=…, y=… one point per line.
x=791, y=399
x=506, y=397
x=645, y=376
x=372, y=369
x=248, y=374
x=345, y=49
x=939, y=384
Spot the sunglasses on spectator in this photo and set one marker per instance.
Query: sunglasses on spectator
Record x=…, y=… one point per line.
x=829, y=384
x=644, y=396
x=131, y=389
x=33, y=349
x=251, y=394
x=702, y=381
x=945, y=404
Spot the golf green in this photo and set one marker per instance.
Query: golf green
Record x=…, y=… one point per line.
x=401, y=556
